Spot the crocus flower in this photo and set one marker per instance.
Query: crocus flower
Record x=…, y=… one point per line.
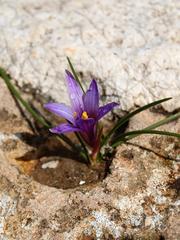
x=83, y=114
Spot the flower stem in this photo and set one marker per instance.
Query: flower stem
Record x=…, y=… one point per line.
x=84, y=147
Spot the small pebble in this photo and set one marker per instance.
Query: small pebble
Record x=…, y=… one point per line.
x=52, y=164
x=82, y=182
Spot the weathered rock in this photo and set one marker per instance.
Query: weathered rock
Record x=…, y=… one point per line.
x=173, y=226
x=139, y=198
x=132, y=48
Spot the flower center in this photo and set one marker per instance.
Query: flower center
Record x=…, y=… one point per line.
x=84, y=115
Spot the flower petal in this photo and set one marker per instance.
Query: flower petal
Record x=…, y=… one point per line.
x=60, y=109
x=64, y=128
x=105, y=109
x=91, y=99
x=88, y=129
x=85, y=125
x=75, y=93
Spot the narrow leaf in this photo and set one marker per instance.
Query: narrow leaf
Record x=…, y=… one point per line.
x=7, y=79
x=139, y=132
x=158, y=124
x=164, y=121
x=152, y=126
x=74, y=73
x=128, y=116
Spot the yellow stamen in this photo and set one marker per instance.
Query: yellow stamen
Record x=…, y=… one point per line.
x=75, y=114
x=84, y=115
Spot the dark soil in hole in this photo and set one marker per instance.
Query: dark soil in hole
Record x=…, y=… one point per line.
x=66, y=173
x=56, y=166
x=46, y=159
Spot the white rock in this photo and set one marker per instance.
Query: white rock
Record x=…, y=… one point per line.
x=131, y=48
x=82, y=182
x=52, y=164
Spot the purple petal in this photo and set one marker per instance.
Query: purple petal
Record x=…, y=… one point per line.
x=64, y=128
x=60, y=109
x=91, y=99
x=85, y=125
x=105, y=109
x=88, y=130
x=75, y=93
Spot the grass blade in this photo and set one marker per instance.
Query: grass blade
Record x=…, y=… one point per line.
x=7, y=79
x=75, y=74
x=164, y=121
x=128, y=116
x=139, y=132
x=123, y=138
x=13, y=90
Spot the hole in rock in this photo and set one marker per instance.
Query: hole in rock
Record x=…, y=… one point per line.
x=55, y=166
x=41, y=156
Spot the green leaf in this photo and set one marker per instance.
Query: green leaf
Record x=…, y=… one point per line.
x=164, y=121
x=139, y=132
x=75, y=74
x=14, y=91
x=152, y=126
x=126, y=118
x=7, y=79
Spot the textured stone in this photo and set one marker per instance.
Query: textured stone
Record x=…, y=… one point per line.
x=131, y=48
x=139, y=198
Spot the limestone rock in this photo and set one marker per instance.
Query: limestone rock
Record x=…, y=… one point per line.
x=139, y=198
x=131, y=48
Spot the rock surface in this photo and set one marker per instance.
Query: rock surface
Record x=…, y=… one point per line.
x=132, y=48
x=140, y=197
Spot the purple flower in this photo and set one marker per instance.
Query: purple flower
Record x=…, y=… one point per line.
x=83, y=114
